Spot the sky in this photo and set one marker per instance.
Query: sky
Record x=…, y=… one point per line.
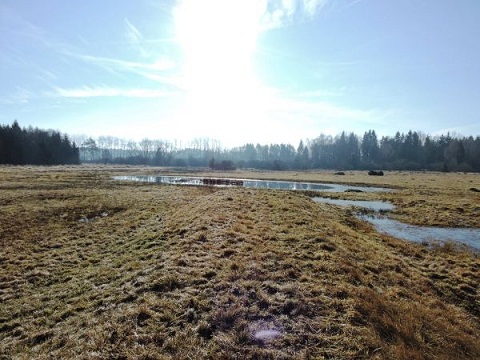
x=240, y=71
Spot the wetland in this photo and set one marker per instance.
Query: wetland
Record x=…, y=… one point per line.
x=161, y=271
x=422, y=234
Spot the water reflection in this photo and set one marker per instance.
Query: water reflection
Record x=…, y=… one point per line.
x=260, y=184
x=370, y=205
x=382, y=224
x=419, y=234
x=469, y=237
x=162, y=179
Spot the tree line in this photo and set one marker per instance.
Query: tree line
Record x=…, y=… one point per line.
x=346, y=151
x=35, y=147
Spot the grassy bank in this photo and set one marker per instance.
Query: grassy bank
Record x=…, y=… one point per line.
x=92, y=268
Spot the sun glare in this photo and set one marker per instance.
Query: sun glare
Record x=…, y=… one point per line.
x=218, y=40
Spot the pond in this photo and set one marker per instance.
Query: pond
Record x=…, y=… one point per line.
x=249, y=183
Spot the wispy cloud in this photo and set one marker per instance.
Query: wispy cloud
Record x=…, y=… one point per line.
x=105, y=91
x=19, y=96
x=312, y=6
x=352, y=3
x=14, y=26
x=132, y=33
x=135, y=38
x=158, y=71
x=279, y=13
x=272, y=13
x=162, y=64
x=46, y=76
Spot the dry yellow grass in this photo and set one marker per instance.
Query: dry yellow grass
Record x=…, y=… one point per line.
x=93, y=268
x=421, y=198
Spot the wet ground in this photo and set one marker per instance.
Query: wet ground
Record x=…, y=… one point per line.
x=383, y=224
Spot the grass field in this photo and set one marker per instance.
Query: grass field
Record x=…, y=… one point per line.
x=91, y=268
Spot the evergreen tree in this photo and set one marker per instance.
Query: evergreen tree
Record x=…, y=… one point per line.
x=370, y=149
x=36, y=147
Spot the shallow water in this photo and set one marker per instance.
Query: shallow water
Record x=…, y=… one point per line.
x=262, y=184
x=469, y=237
x=382, y=224
x=420, y=234
x=292, y=185
x=370, y=205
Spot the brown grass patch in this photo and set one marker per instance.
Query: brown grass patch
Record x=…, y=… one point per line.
x=93, y=268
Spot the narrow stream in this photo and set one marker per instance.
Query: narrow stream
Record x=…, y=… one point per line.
x=419, y=234
x=370, y=205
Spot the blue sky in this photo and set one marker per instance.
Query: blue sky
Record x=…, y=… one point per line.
x=239, y=71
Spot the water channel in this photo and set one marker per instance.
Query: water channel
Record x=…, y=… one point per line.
x=369, y=205
x=423, y=234
x=382, y=224
x=414, y=233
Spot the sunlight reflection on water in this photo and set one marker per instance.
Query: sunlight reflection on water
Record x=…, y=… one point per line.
x=421, y=234
x=382, y=224
x=248, y=183
x=371, y=205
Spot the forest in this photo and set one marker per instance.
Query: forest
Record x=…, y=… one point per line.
x=35, y=147
x=346, y=151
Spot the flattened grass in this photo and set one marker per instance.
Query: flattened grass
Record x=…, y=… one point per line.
x=92, y=268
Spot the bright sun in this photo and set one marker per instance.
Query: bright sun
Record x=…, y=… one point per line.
x=218, y=39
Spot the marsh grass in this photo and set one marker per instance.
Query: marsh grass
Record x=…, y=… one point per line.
x=93, y=268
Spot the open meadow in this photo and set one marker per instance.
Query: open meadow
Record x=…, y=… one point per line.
x=92, y=268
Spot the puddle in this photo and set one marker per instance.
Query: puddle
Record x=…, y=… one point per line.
x=260, y=184
x=420, y=234
x=370, y=205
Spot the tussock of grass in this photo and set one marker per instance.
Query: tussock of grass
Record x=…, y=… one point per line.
x=183, y=272
x=415, y=330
